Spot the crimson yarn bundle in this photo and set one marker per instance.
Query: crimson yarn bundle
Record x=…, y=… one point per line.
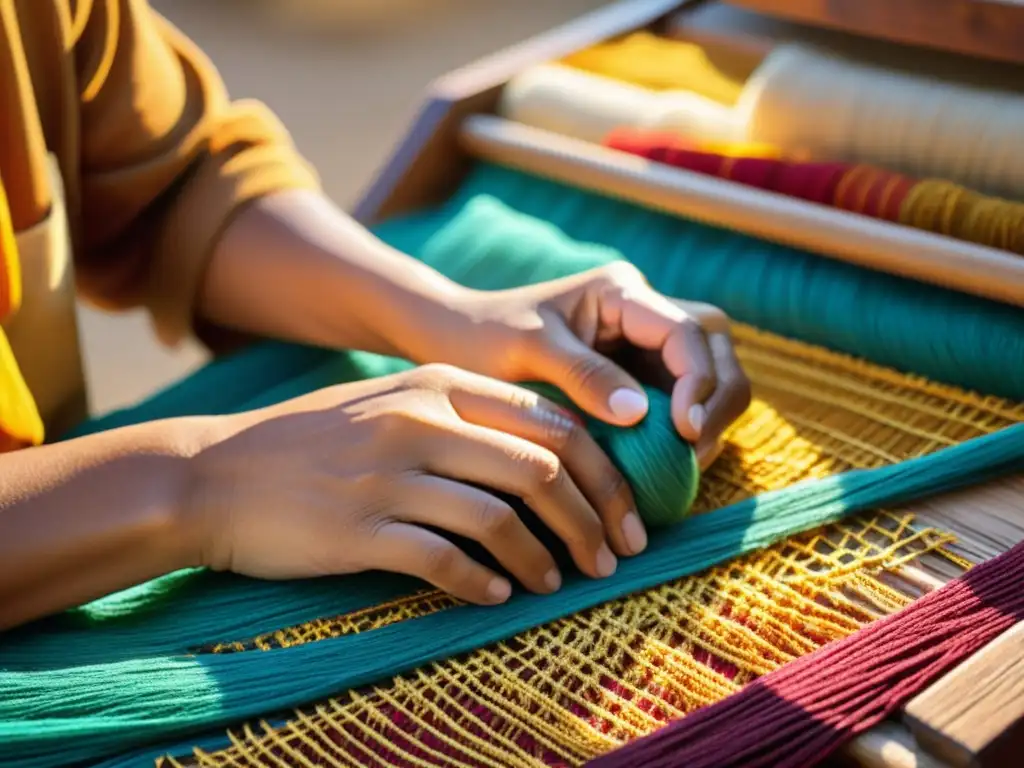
x=933, y=205
x=800, y=714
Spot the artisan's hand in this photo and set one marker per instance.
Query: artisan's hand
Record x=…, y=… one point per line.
x=561, y=331
x=293, y=266
x=348, y=478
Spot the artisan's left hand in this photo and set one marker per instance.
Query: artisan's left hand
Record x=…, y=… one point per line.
x=561, y=331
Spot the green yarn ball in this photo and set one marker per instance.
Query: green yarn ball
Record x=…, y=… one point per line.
x=659, y=465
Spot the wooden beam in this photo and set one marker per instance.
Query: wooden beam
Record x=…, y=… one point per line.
x=855, y=239
x=988, y=29
x=974, y=716
x=428, y=164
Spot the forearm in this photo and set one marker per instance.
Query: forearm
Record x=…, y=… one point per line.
x=82, y=519
x=294, y=266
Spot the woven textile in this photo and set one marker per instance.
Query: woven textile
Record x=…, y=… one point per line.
x=577, y=688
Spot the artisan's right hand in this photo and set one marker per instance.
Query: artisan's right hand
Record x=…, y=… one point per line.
x=347, y=479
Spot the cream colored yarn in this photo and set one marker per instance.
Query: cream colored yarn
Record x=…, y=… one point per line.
x=838, y=109
x=585, y=106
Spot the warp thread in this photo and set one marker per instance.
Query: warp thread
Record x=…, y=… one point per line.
x=107, y=708
x=929, y=204
x=801, y=713
x=104, y=707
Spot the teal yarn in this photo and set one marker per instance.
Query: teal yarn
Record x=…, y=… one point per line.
x=659, y=466
x=914, y=328
x=117, y=675
x=183, y=611
x=91, y=712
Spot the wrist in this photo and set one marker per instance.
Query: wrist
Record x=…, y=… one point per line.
x=427, y=315
x=191, y=527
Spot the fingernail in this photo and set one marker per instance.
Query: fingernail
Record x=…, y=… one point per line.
x=499, y=590
x=634, y=534
x=606, y=562
x=697, y=415
x=553, y=580
x=628, y=404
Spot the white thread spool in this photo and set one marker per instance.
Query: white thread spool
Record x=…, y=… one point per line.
x=836, y=109
x=574, y=103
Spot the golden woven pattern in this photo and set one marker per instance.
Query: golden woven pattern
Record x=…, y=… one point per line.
x=363, y=620
x=565, y=692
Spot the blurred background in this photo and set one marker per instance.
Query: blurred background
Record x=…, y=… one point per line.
x=346, y=76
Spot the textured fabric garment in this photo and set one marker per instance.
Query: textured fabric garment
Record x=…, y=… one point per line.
x=20, y=424
x=153, y=157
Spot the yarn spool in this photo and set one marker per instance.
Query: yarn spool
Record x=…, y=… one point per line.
x=654, y=62
x=951, y=209
x=574, y=103
x=658, y=465
x=836, y=109
x=929, y=204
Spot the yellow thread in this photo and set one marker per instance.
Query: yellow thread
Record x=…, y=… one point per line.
x=950, y=209
x=576, y=688
x=668, y=65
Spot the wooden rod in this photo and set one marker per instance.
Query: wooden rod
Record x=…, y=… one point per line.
x=974, y=715
x=889, y=745
x=841, y=235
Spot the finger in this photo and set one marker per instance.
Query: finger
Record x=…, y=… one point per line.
x=480, y=516
x=708, y=451
x=504, y=462
x=688, y=357
x=525, y=414
x=732, y=393
x=592, y=381
x=651, y=321
x=415, y=551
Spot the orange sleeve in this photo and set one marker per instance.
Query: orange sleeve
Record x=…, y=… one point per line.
x=167, y=160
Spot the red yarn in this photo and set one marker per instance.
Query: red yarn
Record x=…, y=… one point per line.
x=859, y=188
x=801, y=713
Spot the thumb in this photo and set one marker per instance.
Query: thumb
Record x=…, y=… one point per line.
x=592, y=381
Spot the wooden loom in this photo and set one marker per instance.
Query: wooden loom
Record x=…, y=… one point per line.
x=975, y=716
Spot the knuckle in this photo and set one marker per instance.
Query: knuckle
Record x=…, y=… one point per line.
x=739, y=396
x=710, y=316
x=434, y=375
x=547, y=474
x=587, y=535
x=622, y=273
x=558, y=430
x=585, y=370
x=440, y=561
x=615, y=485
x=496, y=520
x=393, y=424
x=704, y=381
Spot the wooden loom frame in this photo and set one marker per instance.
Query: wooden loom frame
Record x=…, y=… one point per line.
x=456, y=126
